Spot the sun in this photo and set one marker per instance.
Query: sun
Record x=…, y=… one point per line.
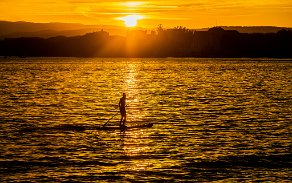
x=131, y=20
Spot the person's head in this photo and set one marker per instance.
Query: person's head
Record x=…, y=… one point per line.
x=124, y=95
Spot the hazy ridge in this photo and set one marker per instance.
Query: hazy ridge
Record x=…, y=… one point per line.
x=46, y=30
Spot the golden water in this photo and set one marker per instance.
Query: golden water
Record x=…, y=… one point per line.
x=214, y=120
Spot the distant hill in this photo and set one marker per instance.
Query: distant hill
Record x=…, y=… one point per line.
x=45, y=30
x=251, y=29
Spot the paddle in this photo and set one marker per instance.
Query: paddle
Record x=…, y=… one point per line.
x=110, y=119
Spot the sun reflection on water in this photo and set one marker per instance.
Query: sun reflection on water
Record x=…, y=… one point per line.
x=135, y=149
x=135, y=112
x=134, y=142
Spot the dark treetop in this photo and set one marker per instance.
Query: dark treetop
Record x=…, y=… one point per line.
x=177, y=42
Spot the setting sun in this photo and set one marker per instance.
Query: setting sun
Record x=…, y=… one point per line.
x=131, y=20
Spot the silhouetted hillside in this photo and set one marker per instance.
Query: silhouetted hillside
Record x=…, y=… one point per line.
x=46, y=30
x=251, y=29
x=177, y=42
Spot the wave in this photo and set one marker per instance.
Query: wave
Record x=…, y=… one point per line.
x=16, y=166
x=256, y=161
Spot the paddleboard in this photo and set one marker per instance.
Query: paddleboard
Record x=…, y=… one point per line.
x=146, y=125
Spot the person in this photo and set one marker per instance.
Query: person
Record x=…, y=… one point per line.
x=122, y=106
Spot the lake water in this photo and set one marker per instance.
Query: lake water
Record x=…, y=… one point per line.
x=221, y=120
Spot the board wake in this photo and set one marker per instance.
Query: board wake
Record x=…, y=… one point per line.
x=80, y=128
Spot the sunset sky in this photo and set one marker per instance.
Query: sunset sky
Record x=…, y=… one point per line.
x=149, y=14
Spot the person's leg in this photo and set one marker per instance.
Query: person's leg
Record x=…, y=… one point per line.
x=124, y=121
x=121, y=121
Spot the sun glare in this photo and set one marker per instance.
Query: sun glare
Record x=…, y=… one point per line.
x=131, y=20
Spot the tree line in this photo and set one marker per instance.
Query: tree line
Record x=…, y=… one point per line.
x=176, y=42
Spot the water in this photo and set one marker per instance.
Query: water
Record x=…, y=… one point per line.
x=214, y=120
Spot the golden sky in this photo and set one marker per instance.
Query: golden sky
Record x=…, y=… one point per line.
x=169, y=13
